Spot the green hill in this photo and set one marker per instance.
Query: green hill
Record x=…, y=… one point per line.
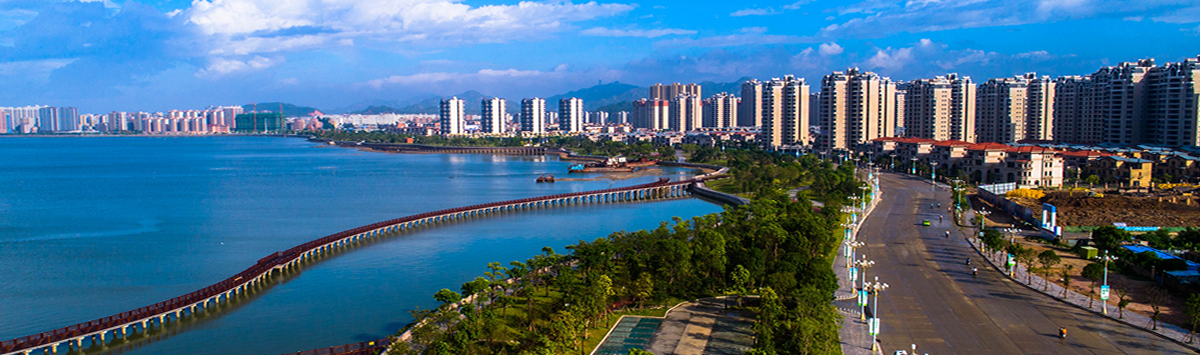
x=602, y=95
x=289, y=110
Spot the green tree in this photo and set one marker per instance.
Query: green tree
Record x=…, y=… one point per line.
x=1048, y=259
x=1092, y=180
x=1026, y=256
x=1159, y=239
x=446, y=297
x=1123, y=301
x=643, y=289
x=1191, y=309
x=1065, y=273
x=1155, y=297
x=1093, y=272
x=741, y=281
x=1110, y=237
x=636, y=351
x=770, y=316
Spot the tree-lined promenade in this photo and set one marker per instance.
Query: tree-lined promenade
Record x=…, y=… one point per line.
x=774, y=247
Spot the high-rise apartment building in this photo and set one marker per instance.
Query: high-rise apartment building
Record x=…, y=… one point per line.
x=1014, y=109
x=650, y=114
x=1130, y=103
x=494, y=115
x=68, y=119
x=1001, y=111
x=856, y=107
x=1039, y=111
x=1119, y=96
x=750, y=109
x=47, y=119
x=1173, y=104
x=570, y=114
x=683, y=113
x=453, y=115
x=533, y=115
x=720, y=111
x=900, y=109
x=942, y=108
x=1073, y=122
x=785, y=112
x=669, y=92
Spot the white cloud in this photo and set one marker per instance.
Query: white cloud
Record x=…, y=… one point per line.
x=259, y=26
x=890, y=58
x=753, y=12
x=828, y=49
x=611, y=32
x=1034, y=55
x=748, y=36
x=879, y=18
x=797, y=5
x=480, y=76
x=219, y=66
x=1186, y=15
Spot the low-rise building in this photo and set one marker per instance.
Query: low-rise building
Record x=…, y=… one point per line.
x=1126, y=171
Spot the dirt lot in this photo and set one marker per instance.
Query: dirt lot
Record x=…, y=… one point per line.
x=1077, y=209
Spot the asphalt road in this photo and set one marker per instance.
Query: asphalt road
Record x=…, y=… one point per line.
x=934, y=302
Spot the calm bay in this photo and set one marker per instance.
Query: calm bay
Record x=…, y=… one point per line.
x=93, y=226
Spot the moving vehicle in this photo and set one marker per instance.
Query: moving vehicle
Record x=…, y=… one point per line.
x=925, y=223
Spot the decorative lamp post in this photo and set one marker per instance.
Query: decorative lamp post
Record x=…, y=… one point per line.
x=876, y=287
x=850, y=253
x=1104, y=290
x=932, y=174
x=863, y=264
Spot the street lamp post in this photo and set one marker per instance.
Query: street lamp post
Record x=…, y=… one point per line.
x=932, y=175
x=876, y=287
x=850, y=252
x=1104, y=290
x=862, y=292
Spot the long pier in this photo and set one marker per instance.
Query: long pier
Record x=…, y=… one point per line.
x=124, y=324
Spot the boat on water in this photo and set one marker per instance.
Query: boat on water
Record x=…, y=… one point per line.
x=545, y=178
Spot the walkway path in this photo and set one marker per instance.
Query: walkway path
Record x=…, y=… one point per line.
x=704, y=326
x=1021, y=275
x=853, y=335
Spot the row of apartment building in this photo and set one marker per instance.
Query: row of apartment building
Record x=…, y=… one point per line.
x=533, y=117
x=1129, y=103
x=48, y=119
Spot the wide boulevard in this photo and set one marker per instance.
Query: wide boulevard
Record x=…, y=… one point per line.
x=934, y=301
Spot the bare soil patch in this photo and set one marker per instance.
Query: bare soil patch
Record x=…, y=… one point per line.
x=1077, y=209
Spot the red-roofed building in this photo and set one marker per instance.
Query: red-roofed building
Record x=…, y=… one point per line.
x=978, y=162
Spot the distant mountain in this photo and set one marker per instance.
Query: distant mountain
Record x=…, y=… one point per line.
x=433, y=105
x=289, y=110
x=375, y=110
x=709, y=88
x=363, y=105
x=616, y=107
x=602, y=95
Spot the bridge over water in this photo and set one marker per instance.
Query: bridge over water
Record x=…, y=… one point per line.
x=142, y=320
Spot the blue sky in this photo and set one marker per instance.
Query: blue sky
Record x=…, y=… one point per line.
x=104, y=55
